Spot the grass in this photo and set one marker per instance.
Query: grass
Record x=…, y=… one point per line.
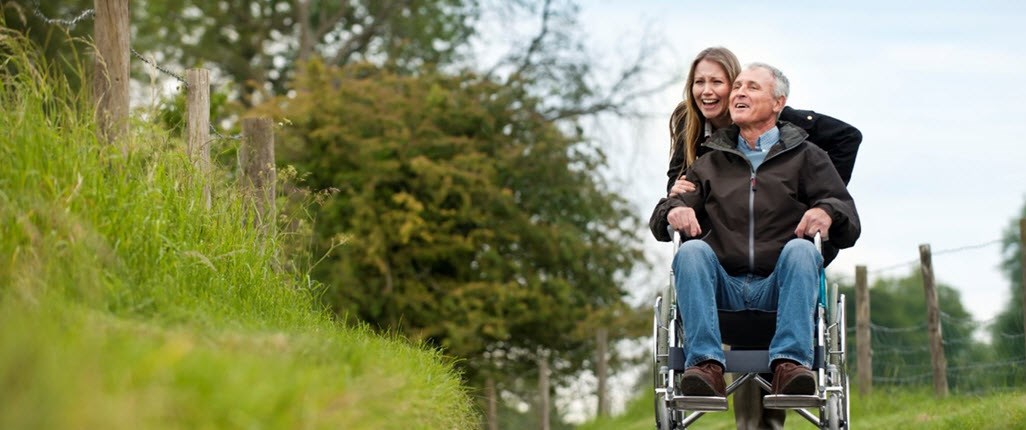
x=126, y=304
x=907, y=409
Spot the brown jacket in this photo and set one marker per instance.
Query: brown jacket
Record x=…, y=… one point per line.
x=747, y=216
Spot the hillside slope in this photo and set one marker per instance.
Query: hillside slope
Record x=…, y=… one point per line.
x=125, y=304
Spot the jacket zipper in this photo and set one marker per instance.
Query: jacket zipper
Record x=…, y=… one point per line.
x=751, y=196
x=751, y=221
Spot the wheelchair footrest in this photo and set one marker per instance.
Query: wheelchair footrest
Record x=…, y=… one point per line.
x=699, y=403
x=787, y=401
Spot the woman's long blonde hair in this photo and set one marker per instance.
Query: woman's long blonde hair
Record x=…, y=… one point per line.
x=687, y=122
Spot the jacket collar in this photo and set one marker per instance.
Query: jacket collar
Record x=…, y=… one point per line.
x=726, y=138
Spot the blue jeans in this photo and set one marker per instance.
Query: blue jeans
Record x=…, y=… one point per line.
x=792, y=290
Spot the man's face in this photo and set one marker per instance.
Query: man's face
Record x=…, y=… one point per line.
x=751, y=99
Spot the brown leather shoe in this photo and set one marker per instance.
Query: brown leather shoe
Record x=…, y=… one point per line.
x=704, y=379
x=792, y=378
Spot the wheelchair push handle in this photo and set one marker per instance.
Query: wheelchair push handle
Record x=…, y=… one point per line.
x=674, y=236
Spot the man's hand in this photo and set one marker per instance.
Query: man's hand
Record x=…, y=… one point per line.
x=683, y=220
x=815, y=219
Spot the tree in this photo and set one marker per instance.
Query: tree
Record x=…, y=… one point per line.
x=471, y=222
x=258, y=43
x=1007, y=330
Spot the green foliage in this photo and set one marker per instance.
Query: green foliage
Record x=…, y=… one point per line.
x=469, y=220
x=126, y=304
x=172, y=115
x=1007, y=330
x=257, y=44
x=61, y=45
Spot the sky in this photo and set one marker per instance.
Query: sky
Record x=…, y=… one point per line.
x=936, y=87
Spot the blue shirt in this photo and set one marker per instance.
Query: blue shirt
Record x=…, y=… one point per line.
x=762, y=146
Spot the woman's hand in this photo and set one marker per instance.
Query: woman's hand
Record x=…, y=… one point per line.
x=681, y=186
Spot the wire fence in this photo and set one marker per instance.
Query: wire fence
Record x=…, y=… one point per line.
x=982, y=356
x=90, y=13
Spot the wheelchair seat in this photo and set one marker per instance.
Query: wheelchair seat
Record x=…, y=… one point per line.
x=747, y=329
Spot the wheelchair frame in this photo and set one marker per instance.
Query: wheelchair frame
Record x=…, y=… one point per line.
x=674, y=411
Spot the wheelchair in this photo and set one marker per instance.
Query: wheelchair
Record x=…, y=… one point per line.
x=748, y=333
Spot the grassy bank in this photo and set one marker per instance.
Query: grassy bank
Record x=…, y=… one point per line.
x=126, y=304
x=884, y=409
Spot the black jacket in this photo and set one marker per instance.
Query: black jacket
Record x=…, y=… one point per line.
x=747, y=217
x=840, y=141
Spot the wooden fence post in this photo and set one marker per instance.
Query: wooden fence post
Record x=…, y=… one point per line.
x=110, y=73
x=543, y=392
x=863, y=332
x=197, y=107
x=493, y=410
x=602, y=370
x=257, y=158
x=933, y=324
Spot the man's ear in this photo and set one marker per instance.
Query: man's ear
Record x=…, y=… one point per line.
x=778, y=104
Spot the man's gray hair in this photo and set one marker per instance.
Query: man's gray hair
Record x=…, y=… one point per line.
x=782, y=86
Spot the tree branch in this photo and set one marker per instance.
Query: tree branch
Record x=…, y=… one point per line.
x=537, y=41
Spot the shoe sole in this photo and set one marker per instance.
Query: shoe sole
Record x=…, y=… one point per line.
x=696, y=386
x=800, y=385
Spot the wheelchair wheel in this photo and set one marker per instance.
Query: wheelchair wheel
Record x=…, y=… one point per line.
x=834, y=412
x=664, y=417
x=837, y=408
x=837, y=405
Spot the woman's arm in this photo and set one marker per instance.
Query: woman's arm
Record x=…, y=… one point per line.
x=839, y=139
x=675, y=169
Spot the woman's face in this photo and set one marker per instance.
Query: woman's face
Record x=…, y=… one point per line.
x=711, y=90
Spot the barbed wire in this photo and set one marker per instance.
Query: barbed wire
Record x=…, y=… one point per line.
x=986, y=365
x=936, y=253
x=959, y=372
x=159, y=68
x=69, y=23
x=89, y=13
x=989, y=390
x=901, y=379
x=223, y=137
x=885, y=329
x=880, y=350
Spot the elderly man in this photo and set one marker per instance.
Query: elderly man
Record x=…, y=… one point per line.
x=760, y=195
